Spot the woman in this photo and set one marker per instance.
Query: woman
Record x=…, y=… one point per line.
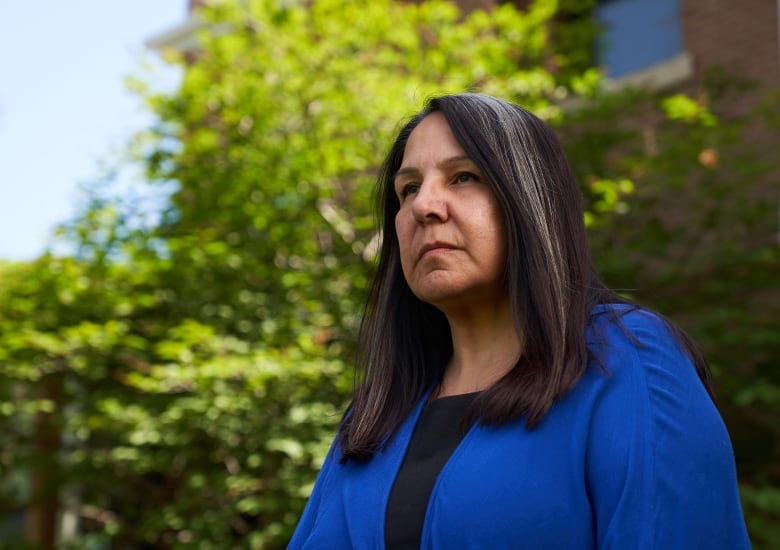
x=508, y=398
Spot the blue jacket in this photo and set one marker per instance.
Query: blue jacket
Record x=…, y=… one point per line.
x=636, y=458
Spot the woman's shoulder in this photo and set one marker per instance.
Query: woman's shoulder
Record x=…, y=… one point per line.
x=638, y=354
x=626, y=315
x=627, y=329
x=646, y=384
x=656, y=439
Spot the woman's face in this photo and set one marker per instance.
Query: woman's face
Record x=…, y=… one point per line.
x=450, y=229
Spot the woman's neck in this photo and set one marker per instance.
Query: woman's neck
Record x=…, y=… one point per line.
x=485, y=346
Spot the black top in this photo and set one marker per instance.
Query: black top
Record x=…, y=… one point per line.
x=436, y=436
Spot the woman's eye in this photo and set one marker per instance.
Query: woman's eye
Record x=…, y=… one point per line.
x=408, y=189
x=464, y=177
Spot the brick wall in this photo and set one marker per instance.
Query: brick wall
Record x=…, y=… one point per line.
x=739, y=35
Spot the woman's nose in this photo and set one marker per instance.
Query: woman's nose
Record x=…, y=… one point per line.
x=430, y=202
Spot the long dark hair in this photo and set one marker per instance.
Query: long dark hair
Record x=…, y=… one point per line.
x=405, y=343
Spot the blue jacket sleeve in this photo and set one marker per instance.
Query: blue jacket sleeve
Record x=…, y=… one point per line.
x=660, y=467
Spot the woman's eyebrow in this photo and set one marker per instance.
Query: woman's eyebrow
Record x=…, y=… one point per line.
x=442, y=164
x=405, y=171
x=454, y=160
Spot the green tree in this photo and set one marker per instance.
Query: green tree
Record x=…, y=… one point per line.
x=275, y=134
x=199, y=361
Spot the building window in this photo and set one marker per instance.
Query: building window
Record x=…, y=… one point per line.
x=637, y=34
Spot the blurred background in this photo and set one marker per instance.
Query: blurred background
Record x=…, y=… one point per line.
x=186, y=230
x=64, y=105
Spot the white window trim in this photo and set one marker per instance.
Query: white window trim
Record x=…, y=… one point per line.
x=655, y=77
x=182, y=38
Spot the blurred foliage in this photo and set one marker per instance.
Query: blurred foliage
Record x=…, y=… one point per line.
x=177, y=383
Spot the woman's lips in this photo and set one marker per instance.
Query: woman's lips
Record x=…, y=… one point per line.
x=435, y=248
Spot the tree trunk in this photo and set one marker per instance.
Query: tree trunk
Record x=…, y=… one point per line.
x=44, y=479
